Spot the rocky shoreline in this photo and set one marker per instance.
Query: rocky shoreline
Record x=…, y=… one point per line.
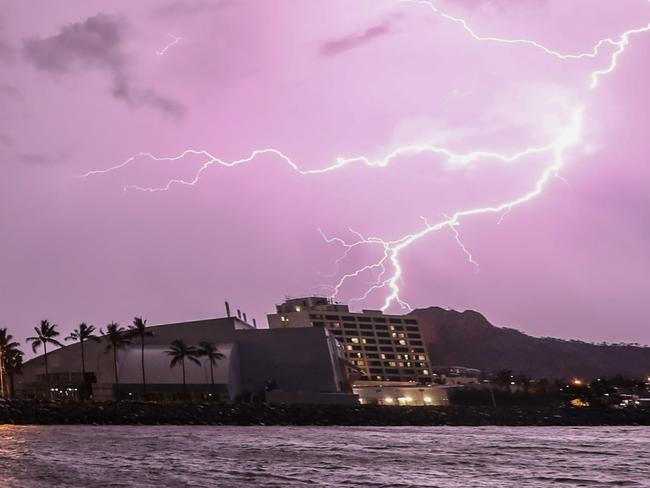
x=26, y=412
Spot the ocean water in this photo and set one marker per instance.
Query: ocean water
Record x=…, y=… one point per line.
x=160, y=456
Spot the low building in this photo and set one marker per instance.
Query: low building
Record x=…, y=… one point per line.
x=301, y=363
x=400, y=393
x=380, y=347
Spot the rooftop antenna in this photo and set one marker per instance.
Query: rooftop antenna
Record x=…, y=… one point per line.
x=227, y=309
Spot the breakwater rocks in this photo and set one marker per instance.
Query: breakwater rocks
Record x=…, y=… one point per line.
x=150, y=413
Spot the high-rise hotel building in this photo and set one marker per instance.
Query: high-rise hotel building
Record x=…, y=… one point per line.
x=381, y=347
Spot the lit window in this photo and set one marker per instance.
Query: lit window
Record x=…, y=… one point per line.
x=359, y=355
x=421, y=357
x=402, y=342
x=297, y=308
x=349, y=348
x=401, y=334
x=354, y=340
x=361, y=363
x=388, y=400
x=392, y=363
x=391, y=327
x=406, y=356
x=425, y=371
x=363, y=341
x=383, y=356
x=394, y=334
x=428, y=399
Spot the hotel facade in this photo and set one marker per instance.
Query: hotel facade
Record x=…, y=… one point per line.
x=380, y=347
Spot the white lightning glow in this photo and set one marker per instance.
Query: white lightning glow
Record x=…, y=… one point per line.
x=619, y=44
x=569, y=137
x=387, y=270
x=175, y=40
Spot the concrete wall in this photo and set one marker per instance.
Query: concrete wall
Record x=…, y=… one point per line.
x=255, y=360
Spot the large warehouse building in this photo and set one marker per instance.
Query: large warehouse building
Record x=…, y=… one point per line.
x=290, y=365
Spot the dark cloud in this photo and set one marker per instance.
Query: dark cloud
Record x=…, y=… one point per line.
x=338, y=46
x=37, y=158
x=6, y=139
x=98, y=42
x=6, y=89
x=187, y=7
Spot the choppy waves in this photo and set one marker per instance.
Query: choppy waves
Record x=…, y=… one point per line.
x=87, y=456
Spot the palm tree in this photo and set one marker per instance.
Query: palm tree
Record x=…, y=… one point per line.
x=117, y=339
x=209, y=351
x=504, y=377
x=139, y=329
x=83, y=333
x=13, y=365
x=45, y=334
x=6, y=346
x=179, y=351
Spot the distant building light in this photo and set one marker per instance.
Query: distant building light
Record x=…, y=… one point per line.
x=297, y=308
x=428, y=399
x=577, y=382
x=388, y=400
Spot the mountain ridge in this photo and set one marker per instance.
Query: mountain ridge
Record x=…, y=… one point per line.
x=468, y=339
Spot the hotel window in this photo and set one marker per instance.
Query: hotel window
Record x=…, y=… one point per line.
x=381, y=327
x=414, y=336
x=363, y=319
x=365, y=326
x=354, y=340
x=425, y=371
x=392, y=364
x=385, y=341
x=421, y=357
x=336, y=325
x=391, y=327
x=374, y=363
x=393, y=334
x=395, y=321
x=412, y=328
x=416, y=343
x=347, y=317
x=367, y=333
x=318, y=324
x=331, y=317
x=359, y=355
x=401, y=349
x=349, y=348
x=382, y=334
x=410, y=321
x=372, y=356
x=386, y=349
x=371, y=348
x=402, y=342
x=363, y=341
x=361, y=363
x=383, y=356
x=401, y=335
x=379, y=319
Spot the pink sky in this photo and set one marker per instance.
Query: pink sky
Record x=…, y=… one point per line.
x=82, y=88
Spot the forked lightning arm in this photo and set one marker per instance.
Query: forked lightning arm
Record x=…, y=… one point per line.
x=387, y=267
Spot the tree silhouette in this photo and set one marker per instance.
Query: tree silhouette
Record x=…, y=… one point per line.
x=179, y=352
x=139, y=329
x=13, y=364
x=7, y=346
x=117, y=339
x=209, y=350
x=46, y=334
x=82, y=334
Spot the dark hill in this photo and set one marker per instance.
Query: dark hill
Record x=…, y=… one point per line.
x=468, y=339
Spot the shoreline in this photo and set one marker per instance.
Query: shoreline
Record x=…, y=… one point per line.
x=35, y=412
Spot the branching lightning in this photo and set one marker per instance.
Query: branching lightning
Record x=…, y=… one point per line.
x=175, y=40
x=386, y=270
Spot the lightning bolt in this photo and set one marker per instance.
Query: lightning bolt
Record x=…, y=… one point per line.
x=387, y=269
x=619, y=44
x=175, y=40
x=392, y=250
